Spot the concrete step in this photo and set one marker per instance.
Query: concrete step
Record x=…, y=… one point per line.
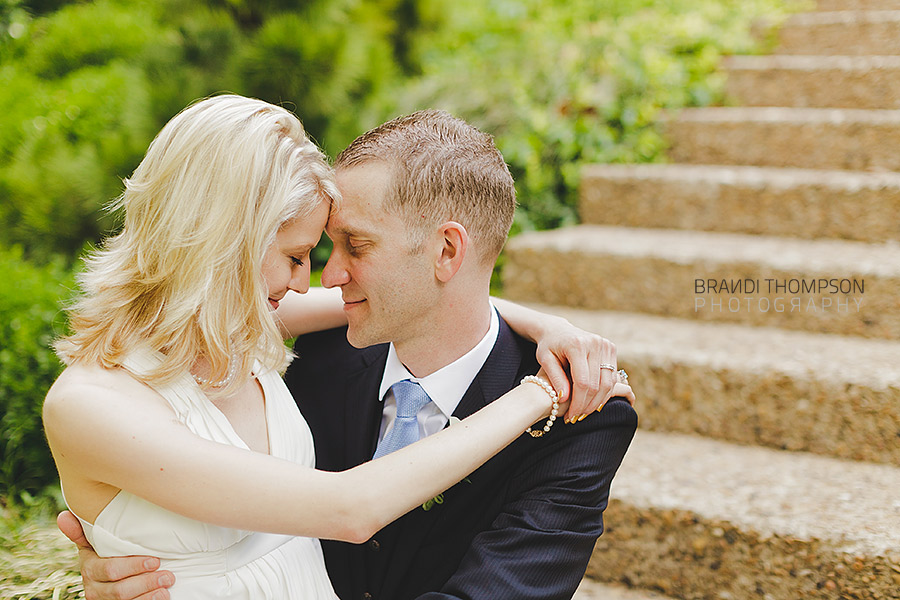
x=696, y=518
x=814, y=81
x=594, y=590
x=806, y=138
x=831, y=395
x=827, y=5
x=765, y=200
x=843, y=32
x=754, y=280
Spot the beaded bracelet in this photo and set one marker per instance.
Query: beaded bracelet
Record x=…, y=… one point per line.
x=554, y=397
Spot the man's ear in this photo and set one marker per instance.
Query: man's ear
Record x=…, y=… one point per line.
x=454, y=243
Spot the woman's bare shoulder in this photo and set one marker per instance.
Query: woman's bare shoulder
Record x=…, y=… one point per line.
x=85, y=387
x=80, y=379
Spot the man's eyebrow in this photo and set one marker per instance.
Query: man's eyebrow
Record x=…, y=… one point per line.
x=349, y=231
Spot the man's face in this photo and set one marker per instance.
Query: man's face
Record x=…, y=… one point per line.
x=388, y=288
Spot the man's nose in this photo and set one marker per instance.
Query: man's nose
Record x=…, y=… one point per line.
x=334, y=274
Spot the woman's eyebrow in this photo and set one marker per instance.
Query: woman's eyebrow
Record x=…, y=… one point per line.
x=301, y=248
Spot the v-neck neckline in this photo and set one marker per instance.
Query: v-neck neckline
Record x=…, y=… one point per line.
x=219, y=415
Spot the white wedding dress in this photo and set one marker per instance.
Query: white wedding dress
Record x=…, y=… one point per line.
x=210, y=561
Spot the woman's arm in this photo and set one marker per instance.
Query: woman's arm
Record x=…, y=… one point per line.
x=567, y=353
x=108, y=429
x=316, y=310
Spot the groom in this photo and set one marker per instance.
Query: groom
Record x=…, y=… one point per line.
x=427, y=205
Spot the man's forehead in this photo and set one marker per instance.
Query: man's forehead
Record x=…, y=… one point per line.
x=348, y=222
x=363, y=188
x=366, y=178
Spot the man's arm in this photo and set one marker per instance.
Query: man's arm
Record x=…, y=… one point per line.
x=539, y=545
x=119, y=578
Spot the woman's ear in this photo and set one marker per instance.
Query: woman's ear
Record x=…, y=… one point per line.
x=454, y=243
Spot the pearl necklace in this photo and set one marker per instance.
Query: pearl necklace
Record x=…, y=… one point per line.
x=232, y=371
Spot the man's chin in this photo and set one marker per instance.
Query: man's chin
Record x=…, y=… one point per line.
x=362, y=339
x=356, y=343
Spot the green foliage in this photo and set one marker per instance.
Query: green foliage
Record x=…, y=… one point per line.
x=83, y=35
x=86, y=87
x=564, y=83
x=75, y=119
x=325, y=61
x=76, y=137
x=30, y=318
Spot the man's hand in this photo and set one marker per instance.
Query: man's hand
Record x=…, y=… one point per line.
x=569, y=352
x=118, y=578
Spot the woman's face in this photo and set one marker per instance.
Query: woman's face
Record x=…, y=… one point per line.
x=286, y=262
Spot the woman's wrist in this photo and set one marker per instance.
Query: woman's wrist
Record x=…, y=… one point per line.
x=550, y=399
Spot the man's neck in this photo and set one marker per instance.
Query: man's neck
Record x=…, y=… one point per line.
x=453, y=335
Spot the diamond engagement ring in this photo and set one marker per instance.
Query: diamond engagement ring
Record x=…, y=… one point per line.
x=607, y=366
x=623, y=376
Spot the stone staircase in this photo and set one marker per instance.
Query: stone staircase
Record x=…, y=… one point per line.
x=752, y=287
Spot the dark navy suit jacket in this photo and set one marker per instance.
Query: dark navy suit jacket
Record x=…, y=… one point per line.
x=521, y=527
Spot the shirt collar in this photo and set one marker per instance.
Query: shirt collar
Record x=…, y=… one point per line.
x=447, y=385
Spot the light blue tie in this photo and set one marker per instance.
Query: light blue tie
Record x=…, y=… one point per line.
x=410, y=398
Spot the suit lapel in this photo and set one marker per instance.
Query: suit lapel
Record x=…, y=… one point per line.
x=363, y=417
x=497, y=376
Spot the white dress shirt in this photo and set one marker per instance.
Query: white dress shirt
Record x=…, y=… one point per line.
x=445, y=386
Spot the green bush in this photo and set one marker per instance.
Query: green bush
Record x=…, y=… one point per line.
x=30, y=318
x=75, y=119
x=85, y=88
x=83, y=35
x=323, y=61
x=73, y=141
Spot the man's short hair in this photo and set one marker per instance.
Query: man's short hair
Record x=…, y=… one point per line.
x=442, y=169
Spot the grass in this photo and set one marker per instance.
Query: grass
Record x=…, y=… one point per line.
x=36, y=560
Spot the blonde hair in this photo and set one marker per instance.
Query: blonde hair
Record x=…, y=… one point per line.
x=184, y=276
x=442, y=169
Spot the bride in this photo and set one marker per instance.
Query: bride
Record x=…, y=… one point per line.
x=172, y=431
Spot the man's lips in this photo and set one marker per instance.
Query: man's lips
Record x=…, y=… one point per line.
x=273, y=303
x=352, y=303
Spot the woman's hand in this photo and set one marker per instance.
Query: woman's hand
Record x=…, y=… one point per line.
x=624, y=390
x=580, y=365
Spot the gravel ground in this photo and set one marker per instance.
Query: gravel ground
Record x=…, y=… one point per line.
x=803, y=495
x=591, y=590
